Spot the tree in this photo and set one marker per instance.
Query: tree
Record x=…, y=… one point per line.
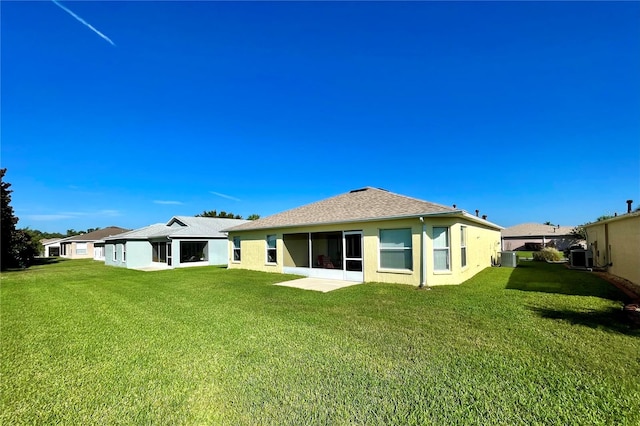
x=253, y=217
x=222, y=214
x=604, y=217
x=17, y=249
x=579, y=232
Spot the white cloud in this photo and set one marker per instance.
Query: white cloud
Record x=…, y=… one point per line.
x=229, y=197
x=168, y=202
x=110, y=213
x=47, y=217
x=72, y=215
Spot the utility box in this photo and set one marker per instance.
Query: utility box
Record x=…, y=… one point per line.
x=581, y=259
x=508, y=259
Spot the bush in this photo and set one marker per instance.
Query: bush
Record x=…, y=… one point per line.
x=549, y=254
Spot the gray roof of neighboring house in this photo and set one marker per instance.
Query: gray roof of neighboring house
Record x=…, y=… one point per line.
x=359, y=205
x=527, y=230
x=182, y=227
x=47, y=241
x=100, y=234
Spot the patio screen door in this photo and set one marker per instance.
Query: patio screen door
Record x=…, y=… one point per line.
x=353, y=256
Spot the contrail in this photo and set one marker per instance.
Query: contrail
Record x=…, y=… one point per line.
x=91, y=27
x=229, y=197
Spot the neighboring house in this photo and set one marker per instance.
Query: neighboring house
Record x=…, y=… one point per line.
x=82, y=246
x=535, y=236
x=183, y=241
x=50, y=247
x=615, y=245
x=368, y=234
x=98, y=250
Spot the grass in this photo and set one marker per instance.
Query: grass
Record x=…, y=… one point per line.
x=82, y=343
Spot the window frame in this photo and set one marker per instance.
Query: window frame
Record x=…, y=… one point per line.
x=273, y=250
x=403, y=249
x=115, y=252
x=446, y=248
x=463, y=246
x=83, y=250
x=124, y=252
x=193, y=248
x=236, y=249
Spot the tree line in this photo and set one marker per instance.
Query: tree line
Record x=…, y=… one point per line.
x=225, y=215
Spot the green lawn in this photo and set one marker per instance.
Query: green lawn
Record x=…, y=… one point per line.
x=82, y=343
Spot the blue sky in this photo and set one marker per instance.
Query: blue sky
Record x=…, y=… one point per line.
x=132, y=112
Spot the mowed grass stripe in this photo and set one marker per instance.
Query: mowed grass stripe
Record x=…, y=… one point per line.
x=85, y=343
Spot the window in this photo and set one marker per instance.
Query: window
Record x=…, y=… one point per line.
x=441, y=249
x=463, y=246
x=124, y=252
x=159, y=252
x=272, y=253
x=193, y=251
x=81, y=248
x=115, y=252
x=395, y=249
x=236, y=249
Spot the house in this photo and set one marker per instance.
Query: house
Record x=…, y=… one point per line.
x=368, y=234
x=83, y=246
x=50, y=247
x=615, y=245
x=535, y=236
x=182, y=241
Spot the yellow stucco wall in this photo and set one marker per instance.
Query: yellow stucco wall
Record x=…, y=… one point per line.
x=483, y=243
x=618, y=244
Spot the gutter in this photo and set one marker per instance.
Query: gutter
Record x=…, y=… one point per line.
x=455, y=213
x=423, y=269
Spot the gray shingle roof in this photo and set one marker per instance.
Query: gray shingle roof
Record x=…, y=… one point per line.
x=182, y=227
x=358, y=205
x=536, y=230
x=97, y=235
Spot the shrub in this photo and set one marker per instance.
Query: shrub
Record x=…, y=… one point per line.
x=548, y=253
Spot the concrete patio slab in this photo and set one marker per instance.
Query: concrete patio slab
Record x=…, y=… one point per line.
x=153, y=268
x=317, y=284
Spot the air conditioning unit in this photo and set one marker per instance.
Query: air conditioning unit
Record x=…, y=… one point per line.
x=509, y=259
x=581, y=259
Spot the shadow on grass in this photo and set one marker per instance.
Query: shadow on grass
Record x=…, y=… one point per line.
x=556, y=278
x=45, y=261
x=611, y=319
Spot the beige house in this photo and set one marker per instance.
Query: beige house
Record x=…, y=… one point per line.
x=536, y=236
x=615, y=245
x=50, y=247
x=371, y=235
x=89, y=245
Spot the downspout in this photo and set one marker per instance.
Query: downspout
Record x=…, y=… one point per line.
x=423, y=269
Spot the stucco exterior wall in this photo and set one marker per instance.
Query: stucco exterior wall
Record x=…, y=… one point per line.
x=138, y=254
x=72, y=250
x=617, y=243
x=483, y=244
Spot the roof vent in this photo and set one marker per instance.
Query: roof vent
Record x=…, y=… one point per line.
x=358, y=190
